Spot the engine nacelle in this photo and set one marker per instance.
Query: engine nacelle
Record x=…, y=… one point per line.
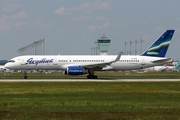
x=75, y=70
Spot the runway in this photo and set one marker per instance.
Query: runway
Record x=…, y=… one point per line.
x=89, y=80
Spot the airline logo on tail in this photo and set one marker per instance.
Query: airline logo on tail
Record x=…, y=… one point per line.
x=160, y=46
x=177, y=65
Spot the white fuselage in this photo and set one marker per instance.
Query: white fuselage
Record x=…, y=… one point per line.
x=61, y=62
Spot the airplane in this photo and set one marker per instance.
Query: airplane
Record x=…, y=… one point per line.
x=2, y=63
x=174, y=67
x=88, y=64
x=2, y=68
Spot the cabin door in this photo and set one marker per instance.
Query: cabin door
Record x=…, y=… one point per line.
x=142, y=61
x=55, y=61
x=23, y=62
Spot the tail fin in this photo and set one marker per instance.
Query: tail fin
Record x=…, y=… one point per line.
x=177, y=65
x=160, y=46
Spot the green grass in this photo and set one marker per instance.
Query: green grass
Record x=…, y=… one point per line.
x=90, y=100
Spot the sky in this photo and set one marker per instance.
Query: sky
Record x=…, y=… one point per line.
x=70, y=27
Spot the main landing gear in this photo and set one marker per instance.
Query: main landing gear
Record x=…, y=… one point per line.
x=91, y=75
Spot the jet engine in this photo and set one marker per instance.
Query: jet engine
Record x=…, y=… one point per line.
x=75, y=70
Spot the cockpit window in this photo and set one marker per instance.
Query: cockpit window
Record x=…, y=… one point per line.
x=11, y=61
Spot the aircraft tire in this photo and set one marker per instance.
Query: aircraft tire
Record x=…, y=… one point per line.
x=95, y=77
x=92, y=77
x=89, y=76
x=25, y=77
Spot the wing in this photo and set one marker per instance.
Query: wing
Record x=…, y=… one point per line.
x=94, y=65
x=101, y=65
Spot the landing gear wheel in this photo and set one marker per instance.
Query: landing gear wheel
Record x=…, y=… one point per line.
x=25, y=77
x=89, y=76
x=92, y=77
x=95, y=77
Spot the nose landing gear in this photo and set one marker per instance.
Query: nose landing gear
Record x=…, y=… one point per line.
x=25, y=75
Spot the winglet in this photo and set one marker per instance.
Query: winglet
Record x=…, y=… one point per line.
x=117, y=58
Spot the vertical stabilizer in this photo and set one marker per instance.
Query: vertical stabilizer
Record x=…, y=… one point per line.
x=177, y=65
x=160, y=46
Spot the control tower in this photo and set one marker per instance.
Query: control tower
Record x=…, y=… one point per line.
x=103, y=45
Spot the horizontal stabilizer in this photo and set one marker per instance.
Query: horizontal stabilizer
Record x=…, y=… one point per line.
x=163, y=61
